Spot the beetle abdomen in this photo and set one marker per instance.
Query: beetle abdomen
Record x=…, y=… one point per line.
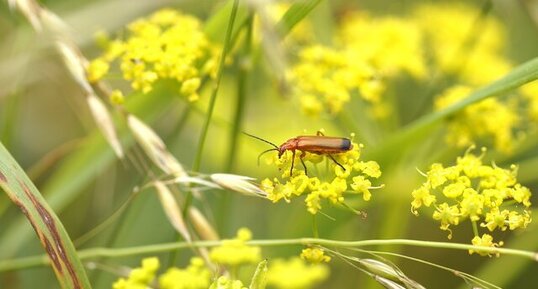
x=323, y=144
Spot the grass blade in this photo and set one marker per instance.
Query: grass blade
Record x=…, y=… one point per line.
x=297, y=12
x=419, y=129
x=49, y=229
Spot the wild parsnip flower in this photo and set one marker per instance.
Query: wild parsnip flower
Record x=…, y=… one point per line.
x=487, y=241
x=295, y=274
x=164, y=45
x=225, y=282
x=461, y=43
x=325, y=77
x=315, y=255
x=390, y=45
x=235, y=252
x=194, y=276
x=331, y=185
x=487, y=195
x=139, y=278
x=490, y=120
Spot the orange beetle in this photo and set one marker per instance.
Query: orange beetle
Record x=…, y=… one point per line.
x=318, y=144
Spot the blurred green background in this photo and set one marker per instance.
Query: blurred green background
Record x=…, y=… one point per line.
x=46, y=125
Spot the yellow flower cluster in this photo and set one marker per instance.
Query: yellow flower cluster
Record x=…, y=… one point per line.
x=295, y=274
x=139, y=278
x=165, y=45
x=235, y=252
x=194, y=276
x=474, y=56
x=225, y=282
x=489, y=119
x=484, y=194
x=487, y=241
x=325, y=78
x=453, y=42
x=315, y=255
x=390, y=45
x=355, y=178
x=473, y=61
x=367, y=52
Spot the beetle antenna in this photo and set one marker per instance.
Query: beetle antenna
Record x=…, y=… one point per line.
x=259, y=138
x=266, y=151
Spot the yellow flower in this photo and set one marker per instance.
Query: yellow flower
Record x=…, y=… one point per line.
x=97, y=69
x=485, y=195
x=446, y=28
x=235, y=252
x=225, y=282
x=390, y=45
x=331, y=184
x=194, y=276
x=447, y=215
x=165, y=45
x=486, y=241
x=139, y=278
x=489, y=119
x=116, y=97
x=315, y=255
x=295, y=274
x=325, y=77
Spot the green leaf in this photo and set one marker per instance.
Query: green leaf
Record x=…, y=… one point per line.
x=418, y=130
x=259, y=280
x=297, y=12
x=46, y=224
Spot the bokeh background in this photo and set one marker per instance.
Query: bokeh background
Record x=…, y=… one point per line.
x=46, y=125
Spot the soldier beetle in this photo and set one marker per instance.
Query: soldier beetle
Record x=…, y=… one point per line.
x=318, y=144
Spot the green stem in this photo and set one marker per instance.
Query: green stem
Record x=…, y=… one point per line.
x=14, y=264
x=475, y=228
x=212, y=100
x=315, y=226
x=245, y=65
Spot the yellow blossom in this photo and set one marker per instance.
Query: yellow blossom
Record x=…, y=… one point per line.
x=165, y=45
x=331, y=185
x=194, y=276
x=97, y=69
x=139, y=278
x=315, y=255
x=225, y=282
x=470, y=190
x=490, y=120
x=116, y=97
x=235, y=252
x=295, y=274
x=487, y=241
x=446, y=28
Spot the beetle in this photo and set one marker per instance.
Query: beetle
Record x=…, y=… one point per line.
x=318, y=144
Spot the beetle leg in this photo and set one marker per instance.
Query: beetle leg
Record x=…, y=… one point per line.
x=332, y=158
x=320, y=133
x=302, y=162
x=292, y=162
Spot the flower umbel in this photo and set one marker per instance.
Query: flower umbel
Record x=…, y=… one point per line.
x=315, y=255
x=235, y=252
x=139, y=278
x=165, y=45
x=331, y=184
x=486, y=195
x=295, y=273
